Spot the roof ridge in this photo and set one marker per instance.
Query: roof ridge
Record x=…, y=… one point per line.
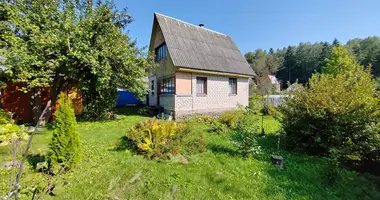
x=189, y=23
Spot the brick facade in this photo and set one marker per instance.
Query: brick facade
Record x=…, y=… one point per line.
x=217, y=99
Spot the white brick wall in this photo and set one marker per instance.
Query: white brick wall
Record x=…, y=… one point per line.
x=217, y=98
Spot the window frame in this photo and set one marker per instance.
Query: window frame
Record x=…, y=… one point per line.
x=232, y=86
x=204, y=86
x=152, y=87
x=167, y=84
x=161, y=52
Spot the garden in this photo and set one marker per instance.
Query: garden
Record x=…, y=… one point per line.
x=202, y=158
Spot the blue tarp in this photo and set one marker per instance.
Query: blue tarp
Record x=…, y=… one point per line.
x=126, y=98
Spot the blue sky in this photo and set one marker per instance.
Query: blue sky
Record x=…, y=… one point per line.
x=263, y=24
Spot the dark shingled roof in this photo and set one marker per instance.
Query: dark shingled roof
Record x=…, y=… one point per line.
x=199, y=48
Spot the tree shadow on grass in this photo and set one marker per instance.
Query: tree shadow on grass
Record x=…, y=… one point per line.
x=221, y=149
x=124, y=143
x=34, y=159
x=223, y=183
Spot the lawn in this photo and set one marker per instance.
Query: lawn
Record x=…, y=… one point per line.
x=108, y=172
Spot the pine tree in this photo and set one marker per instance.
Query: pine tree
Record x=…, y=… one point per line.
x=65, y=145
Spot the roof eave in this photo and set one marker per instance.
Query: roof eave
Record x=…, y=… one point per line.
x=201, y=71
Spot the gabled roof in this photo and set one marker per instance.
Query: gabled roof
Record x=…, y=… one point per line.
x=199, y=48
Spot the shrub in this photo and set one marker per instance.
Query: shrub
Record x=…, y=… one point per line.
x=230, y=118
x=255, y=104
x=64, y=148
x=217, y=127
x=245, y=135
x=143, y=110
x=191, y=140
x=157, y=138
x=337, y=114
x=10, y=131
x=203, y=119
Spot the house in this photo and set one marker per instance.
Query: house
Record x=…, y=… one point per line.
x=200, y=70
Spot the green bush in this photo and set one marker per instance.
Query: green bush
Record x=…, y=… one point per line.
x=205, y=119
x=337, y=114
x=158, y=138
x=191, y=140
x=255, y=104
x=245, y=135
x=10, y=131
x=143, y=110
x=64, y=148
x=230, y=118
x=217, y=127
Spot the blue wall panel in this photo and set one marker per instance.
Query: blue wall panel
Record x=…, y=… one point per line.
x=126, y=98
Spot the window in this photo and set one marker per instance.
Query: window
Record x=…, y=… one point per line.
x=167, y=86
x=201, y=85
x=161, y=52
x=152, y=87
x=232, y=85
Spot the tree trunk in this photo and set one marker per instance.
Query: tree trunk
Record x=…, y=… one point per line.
x=55, y=90
x=36, y=104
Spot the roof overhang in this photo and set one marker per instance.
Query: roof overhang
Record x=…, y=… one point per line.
x=182, y=69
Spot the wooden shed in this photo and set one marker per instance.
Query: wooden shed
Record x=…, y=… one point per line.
x=19, y=102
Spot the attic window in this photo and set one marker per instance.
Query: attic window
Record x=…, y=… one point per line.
x=161, y=52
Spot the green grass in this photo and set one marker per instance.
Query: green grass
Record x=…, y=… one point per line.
x=218, y=173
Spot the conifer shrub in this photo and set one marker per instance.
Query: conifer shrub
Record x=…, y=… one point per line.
x=65, y=146
x=337, y=114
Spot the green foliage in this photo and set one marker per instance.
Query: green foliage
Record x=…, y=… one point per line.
x=340, y=62
x=367, y=52
x=300, y=62
x=263, y=64
x=377, y=84
x=192, y=140
x=245, y=135
x=143, y=110
x=10, y=131
x=218, y=173
x=84, y=42
x=338, y=114
x=202, y=119
x=65, y=146
x=5, y=117
x=271, y=111
x=217, y=127
x=231, y=118
x=158, y=138
x=255, y=103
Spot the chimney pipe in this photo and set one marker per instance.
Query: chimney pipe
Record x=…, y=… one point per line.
x=201, y=25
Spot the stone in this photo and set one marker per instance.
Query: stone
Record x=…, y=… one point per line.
x=278, y=161
x=115, y=117
x=179, y=159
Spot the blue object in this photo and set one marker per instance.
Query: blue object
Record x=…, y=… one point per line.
x=126, y=98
